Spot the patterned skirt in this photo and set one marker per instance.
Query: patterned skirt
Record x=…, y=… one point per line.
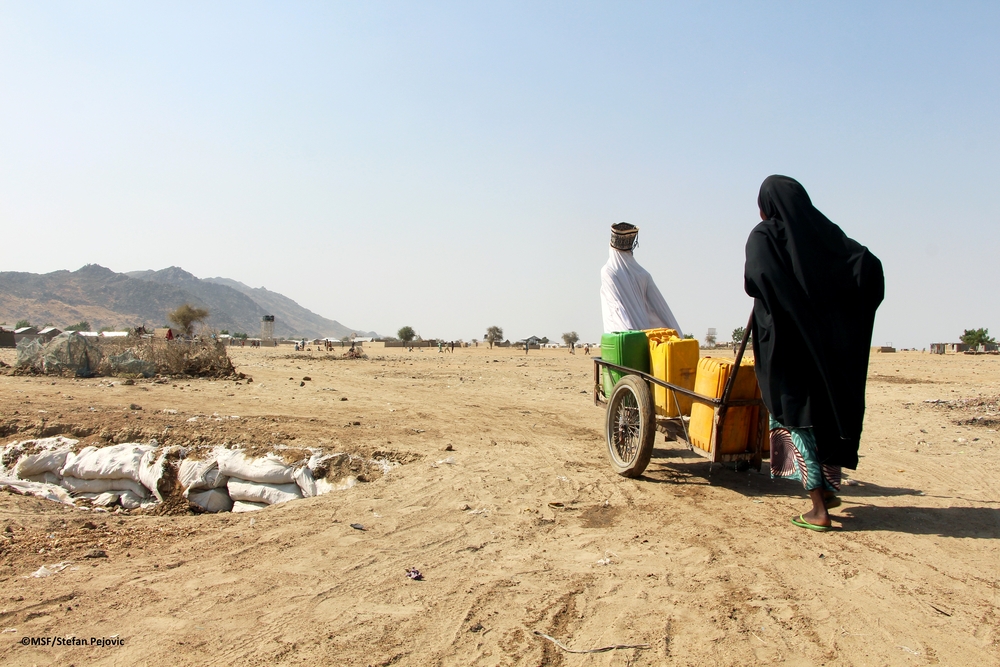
x=794, y=455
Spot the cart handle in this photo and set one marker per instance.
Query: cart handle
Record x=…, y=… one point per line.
x=701, y=398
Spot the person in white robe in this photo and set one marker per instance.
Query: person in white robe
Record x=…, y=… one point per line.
x=630, y=300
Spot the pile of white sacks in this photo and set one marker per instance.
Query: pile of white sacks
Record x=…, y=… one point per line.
x=137, y=475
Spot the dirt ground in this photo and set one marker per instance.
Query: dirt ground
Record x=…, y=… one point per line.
x=506, y=504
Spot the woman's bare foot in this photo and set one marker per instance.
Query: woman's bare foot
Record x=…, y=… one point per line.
x=817, y=516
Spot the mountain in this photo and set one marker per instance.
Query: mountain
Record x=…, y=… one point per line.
x=105, y=298
x=287, y=311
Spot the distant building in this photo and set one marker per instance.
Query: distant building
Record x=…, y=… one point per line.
x=48, y=333
x=25, y=332
x=938, y=348
x=7, y=338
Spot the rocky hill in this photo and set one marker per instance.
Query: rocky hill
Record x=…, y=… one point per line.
x=108, y=299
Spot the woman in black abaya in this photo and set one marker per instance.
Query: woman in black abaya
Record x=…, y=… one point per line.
x=815, y=294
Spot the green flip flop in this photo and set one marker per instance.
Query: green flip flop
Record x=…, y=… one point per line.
x=802, y=523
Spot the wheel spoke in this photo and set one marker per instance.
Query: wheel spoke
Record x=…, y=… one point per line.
x=626, y=428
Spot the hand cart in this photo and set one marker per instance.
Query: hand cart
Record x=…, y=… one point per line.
x=631, y=423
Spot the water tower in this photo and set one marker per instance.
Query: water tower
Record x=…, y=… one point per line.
x=267, y=330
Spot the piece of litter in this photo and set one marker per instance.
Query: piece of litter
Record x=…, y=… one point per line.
x=49, y=570
x=414, y=573
x=357, y=526
x=757, y=500
x=603, y=649
x=608, y=559
x=252, y=521
x=10, y=629
x=556, y=506
x=851, y=482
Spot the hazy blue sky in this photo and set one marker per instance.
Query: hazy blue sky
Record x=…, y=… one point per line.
x=456, y=165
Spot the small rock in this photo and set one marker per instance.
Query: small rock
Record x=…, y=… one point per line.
x=449, y=448
x=96, y=553
x=89, y=525
x=307, y=379
x=343, y=398
x=478, y=627
x=464, y=507
x=134, y=406
x=129, y=382
x=357, y=526
x=302, y=384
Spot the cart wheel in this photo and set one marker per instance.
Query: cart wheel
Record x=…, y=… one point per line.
x=630, y=427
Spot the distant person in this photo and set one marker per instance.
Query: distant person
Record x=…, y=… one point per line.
x=440, y=348
x=815, y=294
x=630, y=300
x=453, y=347
x=586, y=350
x=572, y=348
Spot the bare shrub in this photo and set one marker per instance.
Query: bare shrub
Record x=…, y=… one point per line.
x=198, y=357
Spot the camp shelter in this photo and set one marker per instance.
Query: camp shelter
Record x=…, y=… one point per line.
x=25, y=332
x=48, y=333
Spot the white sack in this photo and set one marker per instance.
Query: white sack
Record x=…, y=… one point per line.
x=114, y=462
x=269, y=494
x=130, y=501
x=630, y=300
x=75, y=485
x=151, y=470
x=46, y=491
x=196, y=475
x=324, y=486
x=267, y=470
x=50, y=456
x=243, y=506
x=106, y=499
x=213, y=500
x=304, y=479
x=45, y=478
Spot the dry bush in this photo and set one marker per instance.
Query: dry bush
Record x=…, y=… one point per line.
x=199, y=357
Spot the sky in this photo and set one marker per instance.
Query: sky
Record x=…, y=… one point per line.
x=452, y=166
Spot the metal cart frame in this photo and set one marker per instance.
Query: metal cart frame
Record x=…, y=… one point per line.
x=631, y=422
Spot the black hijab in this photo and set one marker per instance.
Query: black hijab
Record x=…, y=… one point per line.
x=815, y=294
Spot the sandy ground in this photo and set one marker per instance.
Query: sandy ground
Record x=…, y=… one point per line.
x=700, y=564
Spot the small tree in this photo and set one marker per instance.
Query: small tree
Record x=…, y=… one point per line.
x=976, y=337
x=738, y=336
x=406, y=334
x=22, y=323
x=186, y=316
x=82, y=325
x=493, y=335
x=571, y=338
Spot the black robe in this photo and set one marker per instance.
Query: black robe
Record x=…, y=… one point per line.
x=815, y=294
